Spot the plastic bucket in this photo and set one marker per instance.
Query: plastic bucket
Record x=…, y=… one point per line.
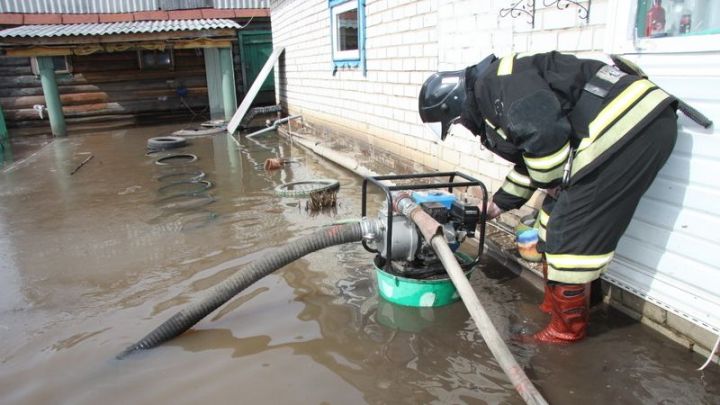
x=419, y=293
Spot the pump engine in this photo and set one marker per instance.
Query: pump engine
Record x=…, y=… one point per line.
x=400, y=247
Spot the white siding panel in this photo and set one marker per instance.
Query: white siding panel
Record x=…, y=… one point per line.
x=670, y=253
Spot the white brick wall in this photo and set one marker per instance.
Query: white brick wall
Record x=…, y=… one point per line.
x=406, y=41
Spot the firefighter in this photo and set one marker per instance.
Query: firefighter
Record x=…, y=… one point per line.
x=593, y=135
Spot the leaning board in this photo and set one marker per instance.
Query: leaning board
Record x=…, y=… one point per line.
x=254, y=89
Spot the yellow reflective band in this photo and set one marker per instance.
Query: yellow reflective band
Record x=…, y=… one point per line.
x=518, y=191
x=631, y=119
x=498, y=131
x=525, y=54
x=542, y=233
x=550, y=161
x=544, y=218
x=543, y=178
x=577, y=269
x=568, y=261
x=506, y=65
x=573, y=277
x=520, y=179
x=615, y=109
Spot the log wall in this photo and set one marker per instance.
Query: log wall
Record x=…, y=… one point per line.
x=105, y=87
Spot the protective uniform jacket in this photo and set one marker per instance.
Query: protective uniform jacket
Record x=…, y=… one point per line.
x=535, y=110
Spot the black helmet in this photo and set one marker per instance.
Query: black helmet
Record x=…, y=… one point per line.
x=442, y=97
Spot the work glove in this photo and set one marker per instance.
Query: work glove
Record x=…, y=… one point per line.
x=493, y=211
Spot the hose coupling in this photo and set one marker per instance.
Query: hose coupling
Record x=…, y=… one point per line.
x=372, y=229
x=403, y=203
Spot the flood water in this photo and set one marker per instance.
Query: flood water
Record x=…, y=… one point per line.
x=90, y=263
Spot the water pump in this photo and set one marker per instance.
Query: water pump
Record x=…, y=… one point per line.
x=407, y=267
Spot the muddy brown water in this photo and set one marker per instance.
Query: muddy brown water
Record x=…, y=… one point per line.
x=90, y=263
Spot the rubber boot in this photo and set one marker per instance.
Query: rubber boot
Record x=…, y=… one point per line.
x=569, y=314
x=546, y=305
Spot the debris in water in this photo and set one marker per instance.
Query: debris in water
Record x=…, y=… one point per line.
x=320, y=200
x=273, y=164
x=87, y=159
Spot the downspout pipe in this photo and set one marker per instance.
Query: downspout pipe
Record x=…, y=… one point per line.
x=432, y=231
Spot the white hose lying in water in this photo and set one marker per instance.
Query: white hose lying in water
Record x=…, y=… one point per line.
x=502, y=354
x=432, y=231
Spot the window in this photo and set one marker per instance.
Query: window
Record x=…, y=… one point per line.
x=348, y=33
x=151, y=60
x=61, y=64
x=669, y=18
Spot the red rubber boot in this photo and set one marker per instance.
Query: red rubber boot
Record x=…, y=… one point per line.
x=546, y=305
x=569, y=314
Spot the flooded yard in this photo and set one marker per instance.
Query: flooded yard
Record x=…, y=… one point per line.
x=91, y=262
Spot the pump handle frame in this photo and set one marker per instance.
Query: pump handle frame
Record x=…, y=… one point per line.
x=450, y=184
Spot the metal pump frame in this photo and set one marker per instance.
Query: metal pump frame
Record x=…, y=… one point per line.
x=450, y=184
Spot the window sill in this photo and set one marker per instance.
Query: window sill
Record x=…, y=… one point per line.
x=678, y=44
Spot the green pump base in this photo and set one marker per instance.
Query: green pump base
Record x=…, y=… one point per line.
x=419, y=293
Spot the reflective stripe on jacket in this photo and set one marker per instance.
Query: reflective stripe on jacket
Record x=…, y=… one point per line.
x=526, y=102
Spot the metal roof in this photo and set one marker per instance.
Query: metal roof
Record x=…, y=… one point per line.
x=241, y=3
x=108, y=6
x=129, y=27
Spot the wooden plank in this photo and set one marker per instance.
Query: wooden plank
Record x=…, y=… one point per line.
x=140, y=84
x=38, y=51
x=10, y=61
x=114, y=47
x=19, y=81
x=87, y=110
x=15, y=70
x=254, y=89
x=202, y=43
x=98, y=97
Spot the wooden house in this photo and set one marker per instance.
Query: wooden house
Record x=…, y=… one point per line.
x=90, y=64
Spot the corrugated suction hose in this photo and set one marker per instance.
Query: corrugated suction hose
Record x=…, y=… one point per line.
x=223, y=292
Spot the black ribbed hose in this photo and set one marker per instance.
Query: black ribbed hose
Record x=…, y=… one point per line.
x=223, y=292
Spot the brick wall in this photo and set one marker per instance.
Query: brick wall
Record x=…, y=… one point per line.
x=406, y=41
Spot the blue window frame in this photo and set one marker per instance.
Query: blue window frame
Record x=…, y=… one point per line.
x=347, y=32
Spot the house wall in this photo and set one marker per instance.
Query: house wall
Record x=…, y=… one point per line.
x=103, y=87
x=665, y=272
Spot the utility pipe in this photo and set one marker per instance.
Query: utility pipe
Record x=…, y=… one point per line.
x=52, y=95
x=432, y=231
x=273, y=126
x=338, y=158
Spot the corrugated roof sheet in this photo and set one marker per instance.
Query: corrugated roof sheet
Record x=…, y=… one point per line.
x=241, y=3
x=129, y=27
x=107, y=6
